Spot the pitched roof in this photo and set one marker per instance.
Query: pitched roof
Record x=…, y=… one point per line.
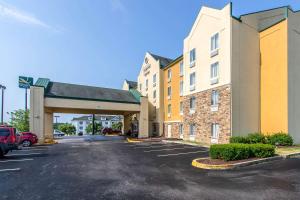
x=132, y=84
x=176, y=60
x=163, y=60
x=81, y=92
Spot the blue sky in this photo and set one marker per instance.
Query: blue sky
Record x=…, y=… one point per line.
x=95, y=42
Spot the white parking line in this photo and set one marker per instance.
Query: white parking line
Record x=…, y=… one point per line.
x=177, y=154
x=33, y=149
x=7, y=170
x=24, y=154
x=152, y=147
x=21, y=160
x=171, y=149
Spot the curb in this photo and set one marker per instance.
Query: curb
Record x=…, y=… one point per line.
x=187, y=143
x=132, y=140
x=197, y=164
x=292, y=155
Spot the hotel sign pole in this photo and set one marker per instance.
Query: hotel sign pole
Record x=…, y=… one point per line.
x=25, y=83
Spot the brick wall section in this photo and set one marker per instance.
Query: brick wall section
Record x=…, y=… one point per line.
x=174, y=129
x=204, y=117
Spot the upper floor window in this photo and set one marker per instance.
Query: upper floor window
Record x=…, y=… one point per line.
x=181, y=68
x=140, y=87
x=146, y=84
x=215, y=130
x=214, y=100
x=169, y=74
x=181, y=88
x=192, y=81
x=214, y=73
x=181, y=108
x=154, y=94
x=81, y=122
x=169, y=92
x=192, y=104
x=214, y=44
x=169, y=109
x=192, y=57
x=154, y=80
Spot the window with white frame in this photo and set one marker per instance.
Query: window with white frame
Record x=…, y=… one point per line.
x=154, y=95
x=214, y=98
x=169, y=110
x=169, y=75
x=192, y=57
x=215, y=130
x=181, y=68
x=181, y=108
x=169, y=92
x=214, y=73
x=214, y=42
x=146, y=84
x=181, y=129
x=192, y=81
x=140, y=87
x=192, y=129
x=154, y=80
x=181, y=88
x=192, y=104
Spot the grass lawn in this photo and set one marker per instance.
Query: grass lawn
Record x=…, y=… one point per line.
x=288, y=150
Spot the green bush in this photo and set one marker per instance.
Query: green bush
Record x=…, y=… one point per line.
x=254, y=138
x=282, y=139
x=237, y=151
x=239, y=139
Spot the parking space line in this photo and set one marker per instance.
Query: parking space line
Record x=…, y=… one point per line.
x=177, y=154
x=165, y=145
x=7, y=170
x=33, y=149
x=171, y=149
x=24, y=154
x=21, y=160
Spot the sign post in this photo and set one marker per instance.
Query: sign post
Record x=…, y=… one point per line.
x=25, y=83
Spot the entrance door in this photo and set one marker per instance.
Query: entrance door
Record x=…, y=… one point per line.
x=169, y=130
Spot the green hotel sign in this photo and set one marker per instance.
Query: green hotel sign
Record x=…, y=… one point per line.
x=25, y=82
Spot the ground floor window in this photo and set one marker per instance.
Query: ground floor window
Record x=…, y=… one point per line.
x=215, y=130
x=181, y=129
x=192, y=130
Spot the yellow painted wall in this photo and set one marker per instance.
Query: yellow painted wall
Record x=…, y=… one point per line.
x=274, y=76
x=175, y=98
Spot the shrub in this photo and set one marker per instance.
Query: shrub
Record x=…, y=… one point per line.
x=237, y=151
x=254, y=138
x=282, y=139
x=239, y=139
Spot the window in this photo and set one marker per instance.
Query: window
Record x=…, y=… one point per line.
x=192, y=57
x=4, y=132
x=181, y=108
x=80, y=128
x=214, y=42
x=140, y=87
x=192, y=130
x=169, y=75
x=181, y=68
x=169, y=92
x=215, y=130
x=154, y=94
x=214, y=98
x=169, y=110
x=192, y=81
x=146, y=84
x=154, y=80
x=81, y=122
x=192, y=104
x=214, y=73
x=181, y=130
x=181, y=88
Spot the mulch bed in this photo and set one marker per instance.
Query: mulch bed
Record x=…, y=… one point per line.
x=209, y=161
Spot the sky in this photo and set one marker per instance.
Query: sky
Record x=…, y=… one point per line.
x=95, y=42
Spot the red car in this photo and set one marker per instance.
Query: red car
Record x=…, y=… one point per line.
x=8, y=139
x=28, y=139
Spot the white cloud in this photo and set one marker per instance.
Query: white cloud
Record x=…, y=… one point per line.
x=12, y=13
x=118, y=6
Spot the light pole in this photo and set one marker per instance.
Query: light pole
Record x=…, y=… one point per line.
x=2, y=87
x=56, y=118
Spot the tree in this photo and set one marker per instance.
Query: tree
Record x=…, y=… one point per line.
x=98, y=128
x=20, y=120
x=117, y=126
x=67, y=128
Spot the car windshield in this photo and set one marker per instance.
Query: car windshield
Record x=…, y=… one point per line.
x=4, y=132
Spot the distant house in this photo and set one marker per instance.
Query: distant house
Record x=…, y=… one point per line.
x=106, y=121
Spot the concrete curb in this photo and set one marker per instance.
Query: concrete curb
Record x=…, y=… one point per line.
x=292, y=155
x=197, y=164
x=185, y=142
x=132, y=140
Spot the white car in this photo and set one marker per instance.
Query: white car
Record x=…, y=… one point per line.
x=57, y=134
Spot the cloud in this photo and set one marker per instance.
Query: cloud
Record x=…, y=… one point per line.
x=118, y=6
x=10, y=12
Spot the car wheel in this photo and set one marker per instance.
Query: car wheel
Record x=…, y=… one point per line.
x=26, y=143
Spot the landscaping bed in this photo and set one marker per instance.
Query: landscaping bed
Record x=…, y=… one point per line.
x=209, y=161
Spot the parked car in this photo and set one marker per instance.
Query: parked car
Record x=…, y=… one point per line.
x=28, y=139
x=9, y=139
x=110, y=131
x=58, y=133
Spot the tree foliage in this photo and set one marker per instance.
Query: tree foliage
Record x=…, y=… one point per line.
x=20, y=120
x=67, y=128
x=98, y=128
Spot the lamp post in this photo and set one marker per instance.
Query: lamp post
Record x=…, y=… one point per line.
x=2, y=87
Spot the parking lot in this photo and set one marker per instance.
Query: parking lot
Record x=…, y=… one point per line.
x=114, y=169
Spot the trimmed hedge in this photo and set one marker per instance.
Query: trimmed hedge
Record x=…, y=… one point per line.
x=237, y=151
x=282, y=139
